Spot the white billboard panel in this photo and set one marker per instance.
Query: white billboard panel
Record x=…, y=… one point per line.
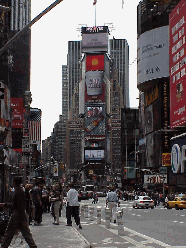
x=95, y=42
x=155, y=178
x=153, y=54
x=94, y=82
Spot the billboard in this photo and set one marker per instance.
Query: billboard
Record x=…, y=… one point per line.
x=149, y=119
x=94, y=154
x=17, y=112
x=94, y=111
x=149, y=179
x=95, y=87
x=178, y=154
x=95, y=62
x=153, y=150
x=177, y=65
x=153, y=55
x=95, y=39
x=94, y=120
x=4, y=105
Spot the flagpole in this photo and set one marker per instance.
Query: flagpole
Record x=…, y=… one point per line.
x=95, y=15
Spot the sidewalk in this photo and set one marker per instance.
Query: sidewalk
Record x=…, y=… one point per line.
x=48, y=235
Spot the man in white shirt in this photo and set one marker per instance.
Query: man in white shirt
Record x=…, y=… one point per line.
x=112, y=201
x=72, y=208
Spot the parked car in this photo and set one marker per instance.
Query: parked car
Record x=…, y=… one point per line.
x=177, y=203
x=143, y=202
x=83, y=195
x=101, y=194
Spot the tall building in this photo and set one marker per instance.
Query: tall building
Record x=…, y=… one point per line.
x=19, y=53
x=73, y=58
x=155, y=84
x=65, y=102
x=119, y=51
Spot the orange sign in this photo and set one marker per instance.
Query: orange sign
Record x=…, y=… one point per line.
x=166, y=159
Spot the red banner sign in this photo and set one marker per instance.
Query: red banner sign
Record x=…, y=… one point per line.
x=177, y=51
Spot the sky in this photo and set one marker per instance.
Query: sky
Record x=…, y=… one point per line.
x=49, y=47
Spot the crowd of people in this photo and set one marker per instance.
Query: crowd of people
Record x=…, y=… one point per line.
x=28, y=203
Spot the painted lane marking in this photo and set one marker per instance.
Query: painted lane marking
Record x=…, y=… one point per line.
x=134, y=242
x=147, y=237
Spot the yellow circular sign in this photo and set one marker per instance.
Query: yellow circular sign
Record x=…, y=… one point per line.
x=95, y=62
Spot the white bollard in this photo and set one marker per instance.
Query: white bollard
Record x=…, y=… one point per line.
x=82, y=210
x=107, y=217
x=120, y=223
x=99, y=215
x=91, y=213
x=86, y=211
x=124, y=214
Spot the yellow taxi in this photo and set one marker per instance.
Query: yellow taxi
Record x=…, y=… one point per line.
x=177, y=203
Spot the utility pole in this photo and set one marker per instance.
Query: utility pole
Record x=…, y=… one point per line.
x=17, y=35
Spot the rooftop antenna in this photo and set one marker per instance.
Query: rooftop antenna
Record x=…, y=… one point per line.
x=110, y=26
x=79, y=28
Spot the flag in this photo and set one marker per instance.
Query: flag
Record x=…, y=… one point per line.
x=95, y=1
x=35, y=130
x=35, y=124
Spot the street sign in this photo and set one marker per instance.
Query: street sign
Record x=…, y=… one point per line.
x=26, y=146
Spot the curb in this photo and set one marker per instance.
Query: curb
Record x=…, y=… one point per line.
x=88, y=245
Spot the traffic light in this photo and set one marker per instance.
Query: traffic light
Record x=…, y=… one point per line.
x=62, y=166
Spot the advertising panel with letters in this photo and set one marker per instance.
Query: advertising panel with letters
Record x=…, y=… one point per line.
x=177, y=51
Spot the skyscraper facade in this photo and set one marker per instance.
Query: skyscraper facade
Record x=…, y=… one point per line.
x=65, y=101
x=73, y=58
x=19, y=53
x=119, y=51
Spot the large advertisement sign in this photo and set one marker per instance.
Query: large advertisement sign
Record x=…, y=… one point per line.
x=153, y=55
x=94, y=120
x=155, y=178
x=153, y=150
x=178, y=154
x=17, y=112
x=94, y=42
x=95, y=62
x=177, y=51
x=94, y=154
x=4, y=105
x=95, y=87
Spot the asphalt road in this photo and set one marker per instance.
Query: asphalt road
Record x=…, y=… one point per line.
x=159, y=227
